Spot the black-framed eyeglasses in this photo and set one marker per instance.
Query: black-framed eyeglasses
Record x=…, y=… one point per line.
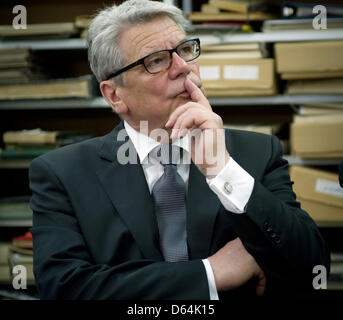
x=161, y=60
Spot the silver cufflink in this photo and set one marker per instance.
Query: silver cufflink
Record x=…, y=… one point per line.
x=228, y=187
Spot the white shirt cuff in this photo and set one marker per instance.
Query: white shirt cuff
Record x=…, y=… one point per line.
x=233, y=186
x=211, y=281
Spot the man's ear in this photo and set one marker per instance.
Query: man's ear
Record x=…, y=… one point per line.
x=110, y=92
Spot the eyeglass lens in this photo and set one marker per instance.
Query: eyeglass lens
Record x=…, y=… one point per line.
x=159, y=61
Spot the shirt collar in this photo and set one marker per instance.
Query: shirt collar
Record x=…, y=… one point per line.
x=145, y=144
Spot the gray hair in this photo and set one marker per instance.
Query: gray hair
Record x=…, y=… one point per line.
x=104, y=53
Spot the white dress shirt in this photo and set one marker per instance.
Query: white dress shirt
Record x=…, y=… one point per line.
x=233, y=185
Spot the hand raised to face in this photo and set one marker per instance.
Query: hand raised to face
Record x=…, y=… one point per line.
x=205, y=128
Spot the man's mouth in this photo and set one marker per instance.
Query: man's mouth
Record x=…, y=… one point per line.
x=183, y=94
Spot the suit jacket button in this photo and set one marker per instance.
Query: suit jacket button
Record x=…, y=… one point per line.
x=266, y=225
x=276, y=238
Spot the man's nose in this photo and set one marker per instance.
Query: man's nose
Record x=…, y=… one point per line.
x=178, y=66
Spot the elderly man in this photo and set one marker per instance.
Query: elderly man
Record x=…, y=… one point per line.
x=225, y=225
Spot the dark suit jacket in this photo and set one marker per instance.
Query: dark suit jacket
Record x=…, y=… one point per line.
x=95, y=233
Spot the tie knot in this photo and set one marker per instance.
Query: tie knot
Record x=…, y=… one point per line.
x=167, y=154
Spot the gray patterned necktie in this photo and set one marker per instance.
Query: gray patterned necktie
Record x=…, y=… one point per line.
x=169, y=193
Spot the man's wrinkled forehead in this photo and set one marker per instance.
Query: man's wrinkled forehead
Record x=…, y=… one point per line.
x=147, y=37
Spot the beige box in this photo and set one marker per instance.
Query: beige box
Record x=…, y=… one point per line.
x=311, y=75
x=315, y=56
x=317, y=136
x=319, y=193
x=316, y=86
x=237, y=76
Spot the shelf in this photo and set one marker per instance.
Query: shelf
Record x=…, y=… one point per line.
x=272, y=36
x=48, y=44
x=280, y=99
x=295, y=161
x=97, y=102
x=335, y=285
x=7, y=291
x=100, y=102
x=15, y=164
x=16, y=223
x=214, y=37
x=329, y=224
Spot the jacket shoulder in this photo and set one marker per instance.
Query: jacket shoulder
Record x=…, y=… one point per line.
x=249, y=141
x=71, y=155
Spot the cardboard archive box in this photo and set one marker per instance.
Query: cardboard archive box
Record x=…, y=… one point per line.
x=319, y=193
x=315, y=86
x=302, y=60
x=317, y=136
x=237, y=77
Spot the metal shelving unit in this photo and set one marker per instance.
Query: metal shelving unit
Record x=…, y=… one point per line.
x=209, y=37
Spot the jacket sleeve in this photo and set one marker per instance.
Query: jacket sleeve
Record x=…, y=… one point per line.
x=64, y=268
x=283, y=238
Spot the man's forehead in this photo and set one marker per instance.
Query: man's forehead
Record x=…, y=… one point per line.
x=151, y=36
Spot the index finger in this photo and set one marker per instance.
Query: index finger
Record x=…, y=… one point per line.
x=195, y=93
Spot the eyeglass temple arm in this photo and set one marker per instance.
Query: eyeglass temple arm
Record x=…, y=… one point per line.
x=114, y=74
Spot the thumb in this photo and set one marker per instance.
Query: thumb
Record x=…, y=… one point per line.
x=261, y=284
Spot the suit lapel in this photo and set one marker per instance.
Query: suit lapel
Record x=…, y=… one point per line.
x=202, y=210
x=127, y=188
